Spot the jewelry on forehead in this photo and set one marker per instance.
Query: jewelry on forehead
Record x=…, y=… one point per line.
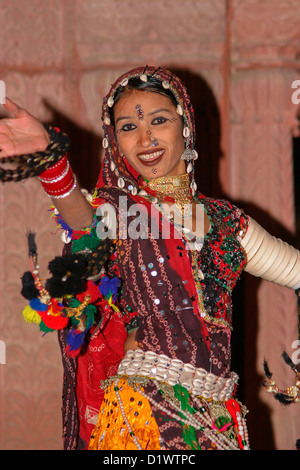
x=184, y=108
x=140, y=112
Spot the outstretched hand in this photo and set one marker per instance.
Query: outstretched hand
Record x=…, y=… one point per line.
x=20, y=132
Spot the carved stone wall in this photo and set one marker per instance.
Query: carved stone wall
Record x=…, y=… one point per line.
x=239, y=59
x=264, y=59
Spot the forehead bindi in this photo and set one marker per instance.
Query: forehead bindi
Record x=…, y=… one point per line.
x=138, y=104
x=139, y=112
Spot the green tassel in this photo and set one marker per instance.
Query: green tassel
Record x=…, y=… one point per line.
x=90, y=313
x=188, y=432
x=44, y=328
x=86, y=241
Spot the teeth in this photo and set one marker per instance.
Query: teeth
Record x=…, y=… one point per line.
x=151, y=156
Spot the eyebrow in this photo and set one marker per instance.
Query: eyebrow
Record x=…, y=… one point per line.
x=149, y=114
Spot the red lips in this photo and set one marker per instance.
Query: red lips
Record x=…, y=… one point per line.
x=151, y=161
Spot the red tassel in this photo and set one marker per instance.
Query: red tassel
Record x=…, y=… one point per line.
x=53, y=318
x=92, y=290
x=233, y=407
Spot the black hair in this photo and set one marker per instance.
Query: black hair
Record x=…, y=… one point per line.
x=153, y=85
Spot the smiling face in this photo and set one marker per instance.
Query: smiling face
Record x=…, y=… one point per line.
x=149, y=133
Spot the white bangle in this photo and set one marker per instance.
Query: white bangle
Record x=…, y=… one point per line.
x=270, y=258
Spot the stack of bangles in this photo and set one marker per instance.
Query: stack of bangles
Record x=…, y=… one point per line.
x=59, y=180
x=270, y=258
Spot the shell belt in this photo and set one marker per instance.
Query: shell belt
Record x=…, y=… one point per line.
x=197, y=381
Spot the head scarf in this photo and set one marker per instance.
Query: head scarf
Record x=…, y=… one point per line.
x=114, y=171
x=118, y=177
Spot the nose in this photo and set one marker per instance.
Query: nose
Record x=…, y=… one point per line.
x=145, y=140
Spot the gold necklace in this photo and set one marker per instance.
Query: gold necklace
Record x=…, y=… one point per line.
x=177, y=188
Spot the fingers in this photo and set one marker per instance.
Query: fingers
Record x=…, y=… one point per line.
x=11, y=107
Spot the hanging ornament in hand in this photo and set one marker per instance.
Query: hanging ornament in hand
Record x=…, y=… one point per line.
x=69, y=298
x=27, y=166
x=288, y=395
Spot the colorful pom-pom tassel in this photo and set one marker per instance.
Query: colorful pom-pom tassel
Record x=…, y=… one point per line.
x=75, y=340
x=92, y=290
x=36, y=304
x=44, y=328
x=54, y=321
x=30, y=315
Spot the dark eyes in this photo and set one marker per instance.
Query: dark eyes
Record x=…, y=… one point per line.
x=155, y=122
x=159, y=120
x=127, y=127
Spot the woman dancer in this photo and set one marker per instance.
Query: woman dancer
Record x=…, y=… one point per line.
x=142, y=296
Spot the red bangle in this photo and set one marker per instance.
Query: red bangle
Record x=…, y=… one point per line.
x=54, y=171
x=59, y=180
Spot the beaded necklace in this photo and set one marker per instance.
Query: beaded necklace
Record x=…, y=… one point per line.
x=199, y=420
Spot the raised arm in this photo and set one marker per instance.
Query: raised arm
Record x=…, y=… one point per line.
x=270, y=258
x=23, y=134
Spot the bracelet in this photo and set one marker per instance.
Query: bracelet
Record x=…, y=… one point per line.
x=50, y=175
x=270, y=258
x=59, y=180
x=65, y=191
x=32, y=165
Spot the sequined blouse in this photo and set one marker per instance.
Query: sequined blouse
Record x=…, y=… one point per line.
x=182, y=298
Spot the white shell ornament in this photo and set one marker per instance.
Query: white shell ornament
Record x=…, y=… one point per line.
x=189, y=168
x=110, y=102
x=65, y=238
x=179, y=110
x=105, y=143
x=186, y=132
x=144, y=78
x=124, y=82
x=194, y=187
x=195, y=154
x=121, y=183
x=106, y=121
x=86, y=194
x=112, y=166
x=89, y=197
x=134, y=191
x=165, y=84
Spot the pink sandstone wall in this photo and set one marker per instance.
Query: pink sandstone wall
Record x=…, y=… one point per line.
x=239, y=59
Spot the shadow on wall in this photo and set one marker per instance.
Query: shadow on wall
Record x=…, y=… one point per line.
x=208, y=133
x=85, y=159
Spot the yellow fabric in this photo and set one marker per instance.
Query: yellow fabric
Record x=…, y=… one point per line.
x=112, y=433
